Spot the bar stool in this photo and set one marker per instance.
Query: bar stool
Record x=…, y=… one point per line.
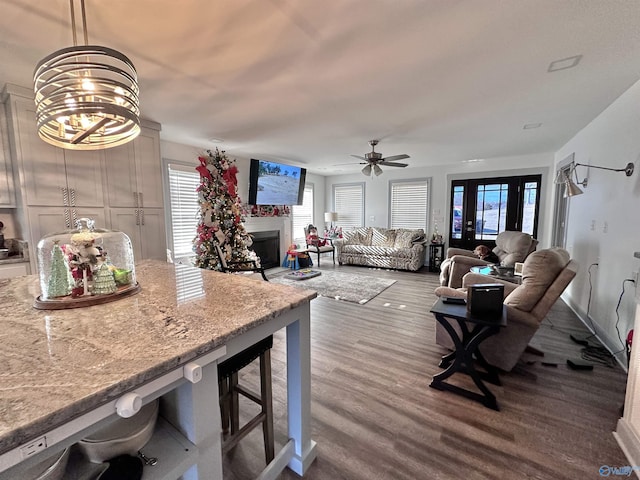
x=229, y=390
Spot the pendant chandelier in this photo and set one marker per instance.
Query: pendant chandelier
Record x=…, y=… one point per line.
x=86, y=96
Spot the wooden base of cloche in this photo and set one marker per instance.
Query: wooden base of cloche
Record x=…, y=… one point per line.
x=60, y=303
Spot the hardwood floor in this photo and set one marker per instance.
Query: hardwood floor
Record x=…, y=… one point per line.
x=375, y=417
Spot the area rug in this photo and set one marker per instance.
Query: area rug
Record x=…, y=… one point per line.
x=341, y=286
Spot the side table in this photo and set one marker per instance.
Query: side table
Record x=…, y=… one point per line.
x=466, y=351
x=436, y=256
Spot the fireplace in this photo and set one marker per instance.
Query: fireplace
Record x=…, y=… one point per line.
x=267, y=247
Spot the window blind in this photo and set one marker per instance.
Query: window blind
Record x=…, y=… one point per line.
x=183, y=181
x=409, y=204
x=302, y=215
x=349, y=204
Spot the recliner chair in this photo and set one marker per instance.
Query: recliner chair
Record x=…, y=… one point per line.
x=511, y=247
x=545, y=275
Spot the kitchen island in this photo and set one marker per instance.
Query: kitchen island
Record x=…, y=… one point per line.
x=64, y=371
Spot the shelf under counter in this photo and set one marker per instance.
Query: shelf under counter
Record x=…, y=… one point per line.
x=174, y=452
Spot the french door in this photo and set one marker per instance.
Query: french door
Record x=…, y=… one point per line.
x=482, y=208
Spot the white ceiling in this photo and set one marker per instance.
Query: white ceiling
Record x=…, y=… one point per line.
x=310, y=82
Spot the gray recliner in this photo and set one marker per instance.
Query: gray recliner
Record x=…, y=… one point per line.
x=511, y=247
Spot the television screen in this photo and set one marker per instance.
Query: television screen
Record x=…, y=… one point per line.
x=272, y=183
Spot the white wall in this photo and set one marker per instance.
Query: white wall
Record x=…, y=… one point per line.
x=611, y=199
x=377, y=188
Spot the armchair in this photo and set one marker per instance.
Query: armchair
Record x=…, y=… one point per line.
x=511, y=247
x=318, y=245
x=545, y=275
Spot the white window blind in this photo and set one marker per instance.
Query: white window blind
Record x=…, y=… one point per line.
x=409, y=204
x=183, y=181
x=348, y=202
x=302, y=215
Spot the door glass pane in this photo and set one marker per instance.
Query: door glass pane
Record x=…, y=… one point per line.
x=456, y=215
x=529, y=207
x=491, y=210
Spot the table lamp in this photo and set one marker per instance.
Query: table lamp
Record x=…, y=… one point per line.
x=330, y=217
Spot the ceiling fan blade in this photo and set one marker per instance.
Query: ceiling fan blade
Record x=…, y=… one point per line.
x=358, y=156
x=393, y=164
x=395, y=157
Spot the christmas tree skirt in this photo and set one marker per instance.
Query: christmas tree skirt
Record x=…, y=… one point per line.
x=348, y=287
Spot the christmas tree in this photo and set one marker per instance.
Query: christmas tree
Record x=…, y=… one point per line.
x=58, y=285
x=104, y=281
x=220, y=220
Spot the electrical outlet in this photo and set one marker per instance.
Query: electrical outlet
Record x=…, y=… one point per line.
x=605, y=227
x=38, y=445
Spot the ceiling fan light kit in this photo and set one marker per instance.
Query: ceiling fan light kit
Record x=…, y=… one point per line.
x=87, y=97
x=373, y=160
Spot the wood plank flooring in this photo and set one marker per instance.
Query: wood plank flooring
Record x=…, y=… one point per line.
x=375, y=417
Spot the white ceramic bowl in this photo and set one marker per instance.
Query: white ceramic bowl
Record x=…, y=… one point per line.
x=123, y=436
x=51, y=468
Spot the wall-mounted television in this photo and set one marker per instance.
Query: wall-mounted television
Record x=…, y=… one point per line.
x=273, y=183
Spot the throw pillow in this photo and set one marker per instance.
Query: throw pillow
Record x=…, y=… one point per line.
x=383, y=237
x=406, y=237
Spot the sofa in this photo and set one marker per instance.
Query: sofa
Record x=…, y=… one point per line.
x=511, y=247
x=401, y=248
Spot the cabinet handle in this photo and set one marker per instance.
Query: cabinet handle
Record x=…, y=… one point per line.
x=65, y=196
x=135, y=199
x=75, y=218
x=67, y=220
x=141, y=201
x=137, y=217
x=73, y=197
x=142, y=216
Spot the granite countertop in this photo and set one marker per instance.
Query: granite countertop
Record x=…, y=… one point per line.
x=57, y=364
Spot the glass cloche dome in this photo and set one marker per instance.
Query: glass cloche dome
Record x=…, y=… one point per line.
x=84, y=266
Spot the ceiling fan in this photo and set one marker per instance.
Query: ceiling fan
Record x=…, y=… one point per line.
x=373, y=160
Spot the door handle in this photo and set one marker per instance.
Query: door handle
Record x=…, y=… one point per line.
x=65, y=196
x=73, y=197
x=141, y=200
x=142, y=216
x=137, y=217
x=67, y=219
x=135, y=199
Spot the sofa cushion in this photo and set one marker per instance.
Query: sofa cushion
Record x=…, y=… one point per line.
x=539, y=271
x=357, y=236
x=383, y=237
x=406, y=237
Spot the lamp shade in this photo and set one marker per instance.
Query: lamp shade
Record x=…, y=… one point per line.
x=330, y=217
x=571, y=189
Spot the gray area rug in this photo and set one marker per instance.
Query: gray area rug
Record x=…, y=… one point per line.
x=349, y=287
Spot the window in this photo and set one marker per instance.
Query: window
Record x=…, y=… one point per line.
x=184, y=206
x=408, y=204
x=302, y=215
x=348, y=201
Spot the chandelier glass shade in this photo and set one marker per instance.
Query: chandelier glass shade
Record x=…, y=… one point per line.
x=86, y=97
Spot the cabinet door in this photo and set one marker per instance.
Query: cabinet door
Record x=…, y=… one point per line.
x=149, y=168
x=7, y=192
x=43, y=169
x=152, y=234
x=127, y=220
x=84, y=177
x=120, y=172
x=12, y=270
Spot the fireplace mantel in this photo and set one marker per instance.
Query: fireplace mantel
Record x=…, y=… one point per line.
x=264, y=224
